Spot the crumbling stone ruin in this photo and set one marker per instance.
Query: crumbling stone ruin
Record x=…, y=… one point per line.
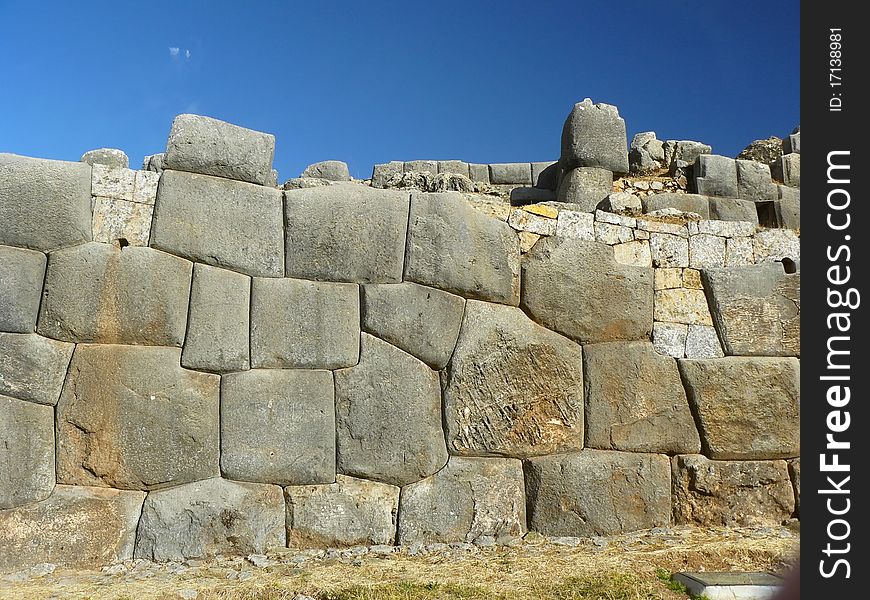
x=195, y=361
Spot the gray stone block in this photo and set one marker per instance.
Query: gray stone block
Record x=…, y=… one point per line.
x=220, y=222
x=635, y=400
x=713, y=493
x=210, y=517
x=512, y=388
x=732, y=209
x=331, y=170
x=80, y=527
x=756, y=309
x=21, y=275
x=388, y=416
x=134, y=296
x=381, y=174
x=111, y=157
x=686, y=151
x=792, y=143
x=585, y=187
x=646, y=153
x=748, y=408
x=597, y=492
x=349, y=512
x=44, y=204
x=787, y=169
x=204, y=145
x=794, y=471
x=420, y=320
x=218, y=336
x=561, y=274
x=456, y=248
x=346, y=233
x=545, y=175
x=478, y=173
x=788, y=213
x=754, y=181
x=278, y=426
x=32, y=367
x=788, y=193
x=594, y=136
x=130, y=418
x=468, y=499
x=716, y=176
x=510, y=173
x=690, y=203
x=421, y=166
x=304, y=324
x=153, y=162
x=27, y=440
x=456, y=167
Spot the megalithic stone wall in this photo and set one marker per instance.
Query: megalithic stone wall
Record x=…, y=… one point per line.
x=193, y=361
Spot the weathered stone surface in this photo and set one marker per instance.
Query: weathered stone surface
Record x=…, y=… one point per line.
x=646, y=154
x=512, y=388
x=788, y=213
x=133, y=296
x=523, y=220
x=794, y=471
x=562, y=274
x=669, y=339
x=788, y=193
x=763, y=151
x=545, y=175
x=748, y=408
x=716, y=176
x=420, y=320
x=304, y=324
x=349, y=512
x=792, y=143
x=574, y=224
x=333, y=170
x=585, y=187
x=754, y=181
x=382, y=173
x=744, y=493
x=528, y=240
x=686, y=151
x=129, y=417
x=739, y=252
x=669, y=251
x=220, y=222
x=610, y=234
x=621, y=202
x=122, y=222
x=456, y=248
x=153, y=162
x=775, y=244
x=145, y=188
x=76, y=527
x=635, y=400
x=211, y=517
x=656, y=226
x=692, y=279
x=668, y=278
x=278, y=426
x=633, y=253
x=456, y=167
x=421, y=166
x=204, y=145
x=111, y=182
x=787, y=169
x=594, y=136
x=26, y=453
x=111, y=157
x=388, y=416
x=468, y=498
x=692, y=203
x=756, y=309
x=218, y=336
x=21, y=275
x=597, y=492
x=44, y=204
x=33, y=367
x=706, y=251
x=682, y=305
x=728, y=229
x=478, y=173
x=733, y=209
x=702, y=342
x=510, y=173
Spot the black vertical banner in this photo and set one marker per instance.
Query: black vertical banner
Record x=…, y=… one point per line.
x=835, y=431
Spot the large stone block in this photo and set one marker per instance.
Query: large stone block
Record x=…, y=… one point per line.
x=21, y=275
x=346, y=233
x=756, y=310
x=44, y=204
x=713, y=493
x=577, y=288
x=512, y=387
x=754, y=181
x=585, y=187
x=388, y=416
x=689, y=203
x=511, y=173
x=133, y=296
x=748, y=408
x=26, y=453
x=787, y=169
x=381, y=174
x=332, y=170
x=732, y=209
x=111, y=157
x=467, y=499
x=792, y=143
x=597, y=492
x=455, y=167
x=278, y=426
x=456, y=248
x=122, y=222
x=545, y=175
x=594, y=136
x=420, y=320
x=686, y=151
x=220, y=222
x=635, y=400
x=204, y=145
x=349, y=512
x=129, y=417
x=788, y=213
x=210, y=517
x=218, y=336
x=304, y=324
x=82, y=527
x=33, y=367
x=716, y=176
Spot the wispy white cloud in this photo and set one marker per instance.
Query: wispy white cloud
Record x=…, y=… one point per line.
x=173, y=52
x=179, y=53
x=187, y=54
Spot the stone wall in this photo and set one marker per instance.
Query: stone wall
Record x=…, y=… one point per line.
x=194, y=361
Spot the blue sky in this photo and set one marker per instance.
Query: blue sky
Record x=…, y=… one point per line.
x=368, y=82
